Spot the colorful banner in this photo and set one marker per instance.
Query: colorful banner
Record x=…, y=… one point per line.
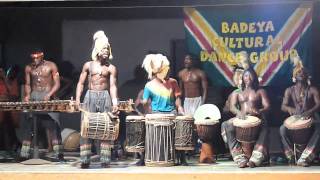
x=271, y=34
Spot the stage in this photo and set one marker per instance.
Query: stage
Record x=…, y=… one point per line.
x=126, y=170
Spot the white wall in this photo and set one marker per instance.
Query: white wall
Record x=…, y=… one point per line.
x=130, y=40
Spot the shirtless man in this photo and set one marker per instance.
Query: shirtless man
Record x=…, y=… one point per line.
x=41, y=83
x=102, y=79
x=194, y=85
x=301, y=99
x=253, y=101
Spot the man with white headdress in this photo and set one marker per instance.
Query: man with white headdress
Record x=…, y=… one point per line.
x=164, y=92
x=102, y=80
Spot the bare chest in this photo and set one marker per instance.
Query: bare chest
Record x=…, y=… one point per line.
x=98, y=71
x=41, y=72
x=301, y=96
x=249, y=96
x=190, y=76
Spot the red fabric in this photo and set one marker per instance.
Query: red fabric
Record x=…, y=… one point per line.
x=3, y=89
x=14, y=88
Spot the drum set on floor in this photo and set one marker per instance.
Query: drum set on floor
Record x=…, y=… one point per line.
x=157, y=135
x=160, y=135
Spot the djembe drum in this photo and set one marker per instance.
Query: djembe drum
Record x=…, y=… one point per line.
x=102, y=126
x=159, y=145
x=70, y=139
x=135, y=133
x=184, y=133
x=247, y=132
x=299, y=129
x=207, y=123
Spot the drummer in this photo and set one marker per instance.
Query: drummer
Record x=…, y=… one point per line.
x=243, y=63
x=253, y=100
x=301, y=99
x=42, y=81
x=102, y=76
x=237, y=80
x=164, y=92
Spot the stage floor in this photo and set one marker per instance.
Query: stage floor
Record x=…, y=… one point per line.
x=128, y=166
x=127, y=170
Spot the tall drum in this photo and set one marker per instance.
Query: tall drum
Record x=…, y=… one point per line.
x=300, y=129
x=159, y=145
x=135, y=133
x=207, y=122
x=247, y=132
x=184, y=133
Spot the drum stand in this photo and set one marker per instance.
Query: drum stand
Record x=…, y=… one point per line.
x=295, y=153
x=297, y=149
x=35, y=157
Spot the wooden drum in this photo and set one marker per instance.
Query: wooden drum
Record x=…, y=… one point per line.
x=159, y=146
x=207, y=122
x=247, y=129
x=184, y=133
x=247, y=132
x=102, y=126
x=299, y=129
x=135, y=133
x=70, y=139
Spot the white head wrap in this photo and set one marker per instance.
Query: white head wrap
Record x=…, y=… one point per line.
x=155, y=63
x=100, y=41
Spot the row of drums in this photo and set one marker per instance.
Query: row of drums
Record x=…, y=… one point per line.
x=159, y=135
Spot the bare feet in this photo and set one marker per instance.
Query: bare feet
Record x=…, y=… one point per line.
x=105, y=165
x=291, y=162
x=303, y=164
x=84, y=166
x=251, y=164
x=140, y=163
x=243, y=164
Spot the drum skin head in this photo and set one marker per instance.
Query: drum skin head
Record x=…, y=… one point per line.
x=190, y=118
x=207, y=114
x=160, y=116
x=135, y=117
x=297, y=122
x=249, y=121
